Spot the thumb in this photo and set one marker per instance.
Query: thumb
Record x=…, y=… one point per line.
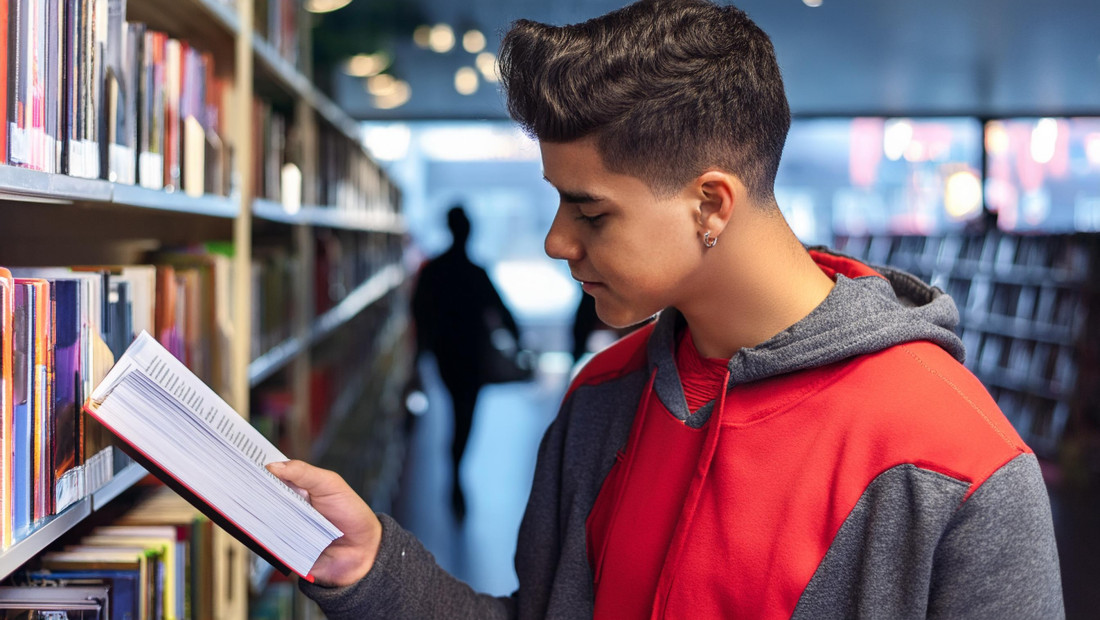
x=314, y=480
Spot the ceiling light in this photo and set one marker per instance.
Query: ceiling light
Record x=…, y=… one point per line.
x=962, y=195
x=441, y=39
x=473, y=41
x=997, y=141
x=812, y=3
x=325, y=6
x=1044, y=140
x=366, y=65
x=487, y=64
x=1092, y=149
x=381, y=85
x=466, y=81
x=395, y=97
x=422, y=36
x=896, y=138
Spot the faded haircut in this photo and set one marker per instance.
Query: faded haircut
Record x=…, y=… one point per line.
x=668, y=89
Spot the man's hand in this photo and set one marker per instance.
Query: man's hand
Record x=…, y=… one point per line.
x=350, y=557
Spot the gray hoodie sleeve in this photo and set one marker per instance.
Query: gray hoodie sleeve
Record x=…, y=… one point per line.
x=406, y=583
x=997, y=557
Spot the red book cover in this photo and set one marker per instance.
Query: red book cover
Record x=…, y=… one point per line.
x=7, y=400
x=4, y=87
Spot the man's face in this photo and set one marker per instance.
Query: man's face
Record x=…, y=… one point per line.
x=634, y=253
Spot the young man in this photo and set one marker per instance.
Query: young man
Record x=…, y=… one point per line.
x=794, y=437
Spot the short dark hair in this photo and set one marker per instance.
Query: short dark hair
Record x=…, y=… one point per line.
x=668, y=88
x=458, y=223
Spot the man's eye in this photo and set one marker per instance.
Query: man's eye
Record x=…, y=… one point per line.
x=591, y=220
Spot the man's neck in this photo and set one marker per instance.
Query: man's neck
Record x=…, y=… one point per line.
x=757, y=286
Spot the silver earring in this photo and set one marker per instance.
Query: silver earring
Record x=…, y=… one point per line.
x=708, y=241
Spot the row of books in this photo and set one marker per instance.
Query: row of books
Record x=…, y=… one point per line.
x=94, y=96
x=346, y=259
x=61, y=330
x=273, y=295
x=1041, y=420
x=271, y=179
x=349, y=180
x=346, y=368
x=357, y=407
x=277, y=22
x=1044, y=368
x=1048, y=257
x=161, y=559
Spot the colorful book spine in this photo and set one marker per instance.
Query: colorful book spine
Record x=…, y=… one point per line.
x=7, y=396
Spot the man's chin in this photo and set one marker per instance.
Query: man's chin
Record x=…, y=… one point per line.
x=621, y=318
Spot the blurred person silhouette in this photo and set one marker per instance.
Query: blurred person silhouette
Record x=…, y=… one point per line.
x=457, y=310
x=585, y=322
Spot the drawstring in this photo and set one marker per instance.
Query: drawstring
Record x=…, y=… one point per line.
x=687, y=515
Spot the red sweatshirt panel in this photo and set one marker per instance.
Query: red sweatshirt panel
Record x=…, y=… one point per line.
x=797, y=452
x=635, y=514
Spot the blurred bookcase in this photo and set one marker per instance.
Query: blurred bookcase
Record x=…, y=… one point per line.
x=1023, y=301
x=250, y=158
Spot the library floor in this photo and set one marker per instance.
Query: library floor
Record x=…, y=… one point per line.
x=496, y=474
x=499, y=463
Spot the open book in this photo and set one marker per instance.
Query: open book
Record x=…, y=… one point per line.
x=193, y=441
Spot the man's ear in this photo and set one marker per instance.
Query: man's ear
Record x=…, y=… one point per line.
x=720, y=194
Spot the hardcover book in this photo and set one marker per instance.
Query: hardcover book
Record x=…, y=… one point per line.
x=182, y=432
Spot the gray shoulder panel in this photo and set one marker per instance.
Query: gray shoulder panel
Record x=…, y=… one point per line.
x=880, y=562
x=998, y=557
x=912, y=548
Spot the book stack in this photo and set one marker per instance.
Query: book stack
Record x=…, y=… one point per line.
x=91, y=95
x=71, y=602
x=61, y=330
x=161, y=559
x=1022, y=313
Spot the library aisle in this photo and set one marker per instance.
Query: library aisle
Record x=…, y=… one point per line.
x=496, y=473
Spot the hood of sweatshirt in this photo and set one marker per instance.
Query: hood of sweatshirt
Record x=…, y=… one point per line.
x=867, y=311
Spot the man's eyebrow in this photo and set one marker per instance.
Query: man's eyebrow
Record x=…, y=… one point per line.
x=575, y=197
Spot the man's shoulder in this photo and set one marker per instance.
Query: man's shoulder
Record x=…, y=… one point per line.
x=934, y=410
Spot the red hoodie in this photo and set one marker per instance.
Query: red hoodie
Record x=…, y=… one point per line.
x=732, y=520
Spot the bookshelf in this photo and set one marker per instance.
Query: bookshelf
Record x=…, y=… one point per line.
x=329, y=244
x=1023, y=302
x=50, y=530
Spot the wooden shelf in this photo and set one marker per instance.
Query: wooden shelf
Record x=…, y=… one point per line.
x=292, y=80
x=345, y=403
x=50, y=530
x=330, y=217
x=1019, y=382
x=363, y=296
x=25, y=185
x=366, y=294
x=1011, y=327
x=270, y=362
